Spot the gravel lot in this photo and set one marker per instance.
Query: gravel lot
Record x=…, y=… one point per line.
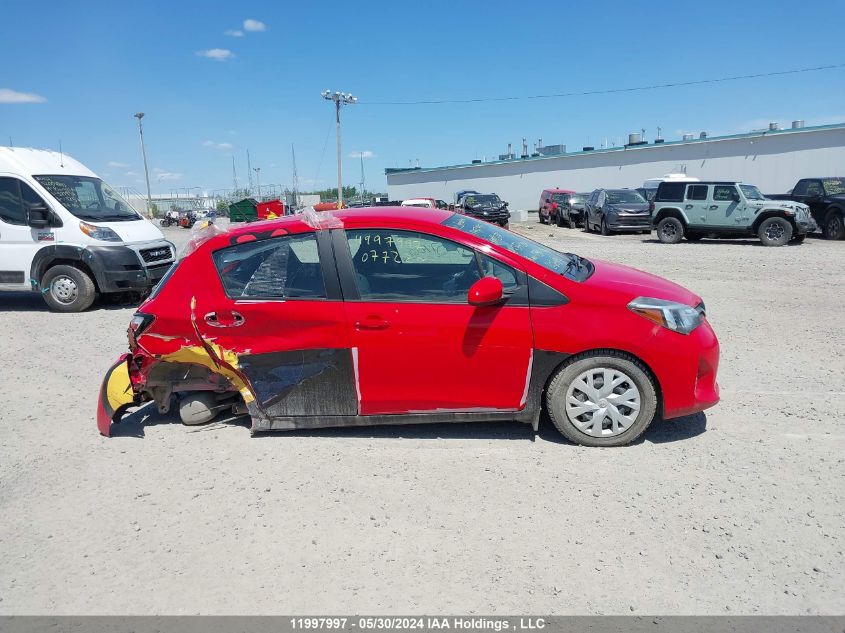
x=738, y=511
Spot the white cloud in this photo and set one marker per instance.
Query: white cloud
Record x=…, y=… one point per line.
x=8, y=95
x=234, y=33
x=130, y=173
x=366, y=154
x=162, y=174
x=217, y=145
x=254, y=25
x=217, y=54
x=114, y=163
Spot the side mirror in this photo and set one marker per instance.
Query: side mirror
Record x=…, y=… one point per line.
x=487, y=291
x=735, y=197
x=39, y=216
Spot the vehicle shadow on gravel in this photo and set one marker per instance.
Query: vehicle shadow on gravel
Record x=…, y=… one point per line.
x=660, y=432
x=33, y=302
x=751, y=241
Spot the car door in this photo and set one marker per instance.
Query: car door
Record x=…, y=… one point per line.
x=695, y=205
x=725, y=209
x=18, y=241
x=278, y=308
x=419, y=346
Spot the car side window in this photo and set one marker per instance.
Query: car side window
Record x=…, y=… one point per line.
x=814, y=188
x=504, y=273
x=392, y=265
x=11, y=206
x=723, y=193
x=286, y=267
x=697, y=192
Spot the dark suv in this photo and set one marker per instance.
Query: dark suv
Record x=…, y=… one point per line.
x=609, y=210
x=484, y=206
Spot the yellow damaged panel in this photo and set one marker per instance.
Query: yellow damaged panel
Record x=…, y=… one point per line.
x=223, y=364
x=119, y=387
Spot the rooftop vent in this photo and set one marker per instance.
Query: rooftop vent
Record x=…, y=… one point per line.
x=702, y=135
x=688, y=137
x=588, y=148
x=798, y=124
x=476, y=161
x=774, y=126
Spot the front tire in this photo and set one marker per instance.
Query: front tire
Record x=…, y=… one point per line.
x=602, y=399
x=670, y=230
x=68, y=289
x=834, y=227
x=540, y=213
x=604, y=229
x=774, y=232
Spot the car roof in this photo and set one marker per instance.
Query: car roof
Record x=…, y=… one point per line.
x=704, y=182
x=559, y=191
x=29, y=161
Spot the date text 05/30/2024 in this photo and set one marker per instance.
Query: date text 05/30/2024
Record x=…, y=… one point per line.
x=456, y=623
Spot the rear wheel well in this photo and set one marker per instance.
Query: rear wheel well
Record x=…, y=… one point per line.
x=670, y=213
x=833, y=210
x=607, y=351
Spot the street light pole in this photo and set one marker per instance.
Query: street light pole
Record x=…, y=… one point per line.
x=257, y=171
x=139, y=116
x=339, y=99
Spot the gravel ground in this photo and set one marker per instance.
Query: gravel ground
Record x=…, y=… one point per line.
x=740, y=510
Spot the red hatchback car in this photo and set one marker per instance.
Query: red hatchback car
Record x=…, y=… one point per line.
x=396, y=316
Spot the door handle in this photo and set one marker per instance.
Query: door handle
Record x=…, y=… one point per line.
x=372, y=323
x=713, y=207
x=225, y=318
x=689, y=206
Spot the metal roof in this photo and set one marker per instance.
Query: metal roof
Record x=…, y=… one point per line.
x=634, y=148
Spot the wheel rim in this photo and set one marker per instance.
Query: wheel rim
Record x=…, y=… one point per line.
x=834, y=225
x=64, y=289
x=603, y=402
x=774, y=231
x=669, y=229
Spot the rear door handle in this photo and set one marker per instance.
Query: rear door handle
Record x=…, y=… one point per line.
x=225, y=318
x=713, y=207
x=689, y=206
x=372, y=323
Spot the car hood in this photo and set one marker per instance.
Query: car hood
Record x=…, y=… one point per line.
x=628, y=208
x=633, y=283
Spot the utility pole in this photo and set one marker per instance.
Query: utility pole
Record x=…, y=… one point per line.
x=257, y=171
x=139, y=116
x=234, y=178
x=249, y=172
x=295, y=179
x=339, y=99
x=362, y=178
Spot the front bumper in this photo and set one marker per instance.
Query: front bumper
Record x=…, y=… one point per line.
x=123, y=268
x=629, y=222
x=500, y=217
x=116, y=395
x=803, y=228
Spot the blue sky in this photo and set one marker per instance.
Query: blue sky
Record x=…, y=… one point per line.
x=96, y=63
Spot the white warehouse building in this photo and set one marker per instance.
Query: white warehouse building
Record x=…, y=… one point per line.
x=772, y=159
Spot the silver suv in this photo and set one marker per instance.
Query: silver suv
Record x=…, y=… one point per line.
x=694, y=210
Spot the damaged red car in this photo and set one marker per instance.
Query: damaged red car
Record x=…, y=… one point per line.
x=399, y=316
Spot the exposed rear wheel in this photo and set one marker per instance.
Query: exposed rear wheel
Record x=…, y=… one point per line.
x=670, y=230
x=603, y=399
x=834, y=228
x=68, y=289
x=774, y=232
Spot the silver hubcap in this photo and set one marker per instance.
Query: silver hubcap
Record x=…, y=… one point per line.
x=774, y=231
x=64, y=289
x=602, y=402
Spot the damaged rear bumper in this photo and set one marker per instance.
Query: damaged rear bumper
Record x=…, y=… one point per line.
x=116, y=395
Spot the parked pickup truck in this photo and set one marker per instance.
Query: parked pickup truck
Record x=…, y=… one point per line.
x=826, y=199
x=726, y=209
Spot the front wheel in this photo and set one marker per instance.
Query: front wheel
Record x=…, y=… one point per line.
x=540, y=213
x=604, y=228
x=670, y=230
x=68, y=289
x=834, y=229
x=774, y=232
x=602, y=399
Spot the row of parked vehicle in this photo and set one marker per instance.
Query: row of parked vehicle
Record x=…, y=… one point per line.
x=483, y=206
x=680, y=207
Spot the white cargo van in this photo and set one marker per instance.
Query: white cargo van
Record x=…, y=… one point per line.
x=68, y=235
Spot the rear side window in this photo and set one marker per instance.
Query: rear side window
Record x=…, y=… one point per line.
x=670, y=192
x=11, y=207
x=697, y=192
x=285, y=267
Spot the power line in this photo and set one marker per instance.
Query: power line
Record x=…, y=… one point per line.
x=608, y=91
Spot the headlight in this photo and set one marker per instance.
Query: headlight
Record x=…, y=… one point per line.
x=103, y=233
x=669, y=314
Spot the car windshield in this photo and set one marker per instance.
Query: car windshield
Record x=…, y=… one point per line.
x=482, y=199
x=578, y=198
x=88, y=198
x=751, y=192
x=559, y=197
x=566, y=264
x=623, y=197
x=833, y=186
